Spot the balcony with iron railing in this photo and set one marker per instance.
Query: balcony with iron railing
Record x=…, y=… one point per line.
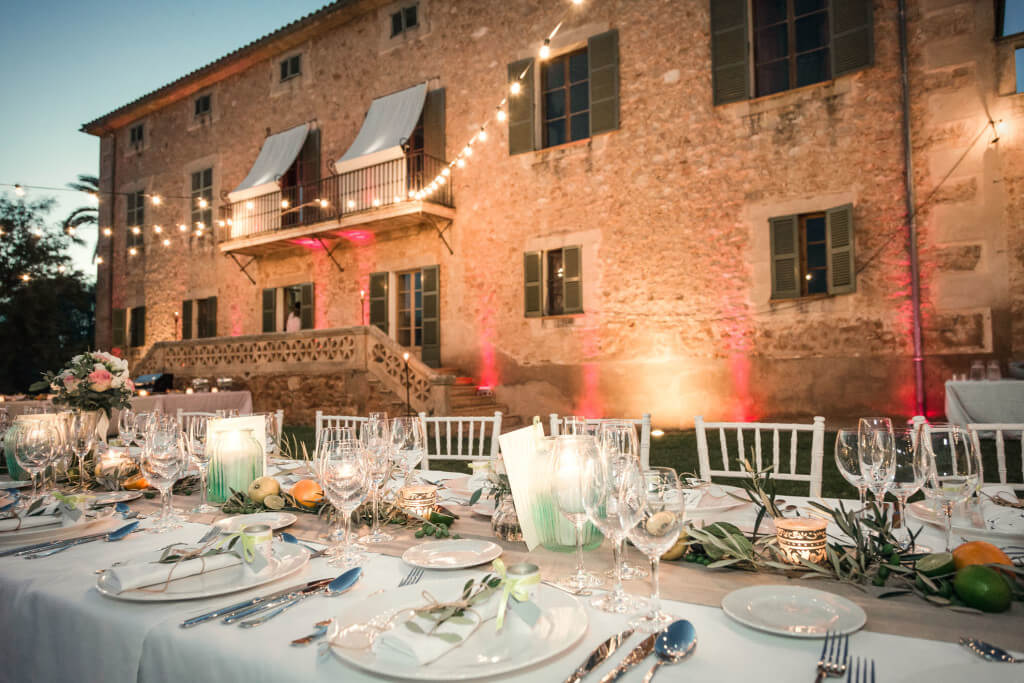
x=379, y=198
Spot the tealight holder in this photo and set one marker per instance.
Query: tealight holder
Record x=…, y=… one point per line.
x=113, y=467
x=523, y=570
x=417, y=500
x=802, y=539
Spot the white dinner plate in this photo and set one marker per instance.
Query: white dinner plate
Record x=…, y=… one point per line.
x=716, y=498
x=115, y=497
x=458, y=486
x=451, y=554
x=485, y=508
x=14, y=484
x=962, y=527
x=276, y=520
x=484, y=655
x=291, y=558
x=56, y=532
x=793, y=611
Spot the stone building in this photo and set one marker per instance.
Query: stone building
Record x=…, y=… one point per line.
x=693, y=207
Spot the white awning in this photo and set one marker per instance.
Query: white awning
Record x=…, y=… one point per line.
x=389, y=122
x=276, y=156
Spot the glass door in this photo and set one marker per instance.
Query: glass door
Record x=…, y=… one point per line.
x=410, y=309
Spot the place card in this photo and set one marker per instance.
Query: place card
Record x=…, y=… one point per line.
x=521, y=454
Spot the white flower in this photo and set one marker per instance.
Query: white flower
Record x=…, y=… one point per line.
x=117, y=381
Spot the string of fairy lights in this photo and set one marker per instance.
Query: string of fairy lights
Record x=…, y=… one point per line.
x=199, y=228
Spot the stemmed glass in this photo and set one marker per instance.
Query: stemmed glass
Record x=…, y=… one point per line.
x=909, y=469
x=954, y=468
x=848, y=461
x=83, y=436
x=571, y=453
x=126, y=426
x=378, y=461
x=408, y=444
x=657, y=502
x=602, y=480
x=617, y=440
x=34, y=449
x=875, y=452
x=195, y=440
x=346, y=483
x=273, y=435
x=164, y=460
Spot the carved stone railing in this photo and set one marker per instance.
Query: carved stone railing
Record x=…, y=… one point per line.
x=314, y=352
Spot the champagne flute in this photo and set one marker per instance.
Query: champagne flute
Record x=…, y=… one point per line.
x=618, y=440
x=345, y=483
x=570, y=455
x=875, y=452
x=658, y=503
x=195, y=440
x=83, y=436
x=909, y=470
x=378, y=461
x=408, y=443
x=954, y=468
x=164, y=460
x=848, y=461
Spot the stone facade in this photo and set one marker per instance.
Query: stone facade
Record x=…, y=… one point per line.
x=671, y=210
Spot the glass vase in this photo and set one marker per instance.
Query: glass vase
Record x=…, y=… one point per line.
x=505, y=522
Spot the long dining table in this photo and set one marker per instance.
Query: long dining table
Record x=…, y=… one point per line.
x=57, y=626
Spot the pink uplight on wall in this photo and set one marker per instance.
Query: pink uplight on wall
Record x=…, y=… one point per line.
x=356, y=236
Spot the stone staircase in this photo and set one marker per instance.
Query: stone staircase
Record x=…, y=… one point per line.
x=465, y=399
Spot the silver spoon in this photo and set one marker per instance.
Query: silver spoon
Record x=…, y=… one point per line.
x=989, y=652
x=336, y=587
x=673, y=645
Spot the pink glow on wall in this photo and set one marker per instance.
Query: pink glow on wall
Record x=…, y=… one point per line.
x=237, y=320
x=486, y=332
x=742, y=409
x=590, y=403
x=357, y=236
x=308, y=243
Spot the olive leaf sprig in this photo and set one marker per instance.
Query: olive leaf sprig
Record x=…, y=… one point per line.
x=455, y=612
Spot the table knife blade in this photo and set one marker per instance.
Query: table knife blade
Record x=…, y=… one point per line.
x=275, y=602
x=238, y=606
x=635, y=656
x=599, y=655
x=26, y=549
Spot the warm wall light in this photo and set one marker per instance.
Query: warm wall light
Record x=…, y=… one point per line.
x=183, y=228
x=203, y=203
x=515, y=87
x=107, y=232
x=136, y=230
x=156, y=200
x=284, y=203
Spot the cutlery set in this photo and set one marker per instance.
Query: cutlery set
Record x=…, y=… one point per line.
x=48, y=548
x=672, y=646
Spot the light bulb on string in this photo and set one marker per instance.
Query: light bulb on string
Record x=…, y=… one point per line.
x=93, y=198
x=500, y=115
x=200, y=226
x=577, y=2
x=482, y=135
x=167, y=242
x=284, y=203
x=25, y=277
x=221, y=223
x=71, y=230
x=203, y=203
x=61, y=268
x=156, y=200
x=107, y=232
x=446, y=171
x=133, y=251
x=323, y=203
x=249, y=206
x=545, y=49
x=351, y=203
x=136, y=230
x=376, y=202
x=460, y=162
x=157, y=229
x=467, y=151
x=182, y=228
x=19, y=190
x=515, y=88
x=99, y=260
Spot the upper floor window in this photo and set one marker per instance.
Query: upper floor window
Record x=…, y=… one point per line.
x=203, y=105
x=404, y=19
x=136, y=135
x=795, y=43
x=565, y=102
x=202, y=199
x=291, y=67
x=812, y=253
x=553, y=281
x=1010, y=18
x=135, y=218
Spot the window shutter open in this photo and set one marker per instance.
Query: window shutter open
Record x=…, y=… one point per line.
x=211, y=317
x=521, y=109
x=117, y=328
x=851, y=31
x=430, y=352
x=730, y=55
x=842, y=276
x=603, y=58
x=785, y=245
x=433, y=124
x=306, y=312
x=186, y=319
x=138, y=326
x=379, y=300
x=270, y=310
x=533, y=292
x=572, y=267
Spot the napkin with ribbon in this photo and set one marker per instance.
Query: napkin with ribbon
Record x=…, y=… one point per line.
x=46, y=511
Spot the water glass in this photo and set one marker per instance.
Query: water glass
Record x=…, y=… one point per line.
x=954, y=469
x=126, y=426
x=571, y=453
x=875, y=452
x=164, y=460
x=379, y=464
x=847, y=455
x=909, y=469
x=408, y=444
x=83, y=437
x=34, y=450
x=195, y=440
x=345, y=482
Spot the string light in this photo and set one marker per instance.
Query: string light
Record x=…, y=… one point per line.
x=107, y=232
x=99, y=260
x=61, y=268
x=323, y=203
x=249, y=206
x=460, y=162
x=25, y=277
x=203, y=203
x=284, y=203
x=515, y=88
x=157, y=229
x=156, y=200
x=136, y=230
x=93, y=198
x=19, y=190
x=351, y=204
x=500, y=114
x=183, y=228
x=545, y=49
x=200, y=226
x=133, y=251
x=167, y=242
x=376, y=202
x=446, y=171
x=71, y=230
x=482, y=135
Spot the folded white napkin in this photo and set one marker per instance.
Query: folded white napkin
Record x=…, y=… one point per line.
x=403, y=644
x=11, y=523
x=130, y=576
x=691, y=498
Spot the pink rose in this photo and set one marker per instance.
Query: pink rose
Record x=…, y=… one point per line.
x=130, y=384
x=100, y=379
x=70, y=383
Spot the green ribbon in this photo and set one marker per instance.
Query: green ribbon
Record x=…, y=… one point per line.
x=512, y=587
x=248, y=542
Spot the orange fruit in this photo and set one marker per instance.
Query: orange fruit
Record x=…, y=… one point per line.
x=978, y=552
x=136, y=483
x=307, y=493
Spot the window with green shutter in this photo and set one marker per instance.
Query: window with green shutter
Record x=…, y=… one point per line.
x=306, y=309
x=270, y=310
x=186, y=319
x=553, y=282
x=118, y=328
x=430, y=352
x=379, y=300
x=206, y=317
x=137, y=326
x=533, y=287
x=812, y=254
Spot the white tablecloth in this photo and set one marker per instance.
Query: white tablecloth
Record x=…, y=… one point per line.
x=984, y=401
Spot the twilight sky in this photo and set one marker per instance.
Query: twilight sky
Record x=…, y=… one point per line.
x=70, y=62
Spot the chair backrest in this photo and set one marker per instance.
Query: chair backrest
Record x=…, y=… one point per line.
x=460, y=438
x=644, y=423
x=335, y=421
x=998, y=431
x=732, y=467
x=188, y=415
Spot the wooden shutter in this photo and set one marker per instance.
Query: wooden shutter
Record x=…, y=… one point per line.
x=533, y=291
x=117, y=325
x=572, y=266
x=306, y=310
x=186, y=319
x=851, y=31
x=842, y=275
x=138, y=326
x=433, y=125
x=521, y=109
x=309, y=159
x=270, y=310
x=603, y=58
x=430, y=352
x=211, y=317
x=730, y=52
x=785, y=246
x=379, y=300
x=201, y=318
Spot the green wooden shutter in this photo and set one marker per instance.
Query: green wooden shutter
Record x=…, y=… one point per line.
x=730, y=54
x=572, y=267
x=785, y=246
x=603, y=58
x=842, y=276
x=306, y=311
x=270, y=310
x=186, y=319
x=211, y=317
x=433, y=124
x=430, y=352
x=117, y=328
x=138, y=326
x=852, y=31
x=379, y=300
x=533, y=291
x=201, y=318
x=521, y=109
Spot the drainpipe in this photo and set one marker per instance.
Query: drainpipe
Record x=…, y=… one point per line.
x=108, y=257
x=915, y=275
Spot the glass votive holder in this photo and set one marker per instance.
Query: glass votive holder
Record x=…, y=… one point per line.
x=802, y=539
x=114, y=465
x=523, y=570
x=417, y=500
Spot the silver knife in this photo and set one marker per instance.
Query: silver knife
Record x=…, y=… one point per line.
x=636, y=655
x=249, y=603
x=25, y=549
x=599, y=655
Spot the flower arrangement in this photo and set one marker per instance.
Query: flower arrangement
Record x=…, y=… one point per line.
x=95, y=380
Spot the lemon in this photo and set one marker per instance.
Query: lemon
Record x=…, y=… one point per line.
x=982, y=588
x=263, y=487
x=936, y=564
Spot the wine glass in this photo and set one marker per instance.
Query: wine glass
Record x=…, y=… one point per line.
x=378, y=461
x=83, y=436
x=408, y=444
x=140, y=426
x=875, y=452
x=195, y=440
x=618, y=440
x=954, y=469
x=345, y=483
x=848, y=461
x=656, y=500
x=909, y=469
x=34, y=449
x=273, y=435
x=571, y=452
x=603, y=476
x=126, y=426
x=164, y=460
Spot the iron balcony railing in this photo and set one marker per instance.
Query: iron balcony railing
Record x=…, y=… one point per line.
x=336, y=197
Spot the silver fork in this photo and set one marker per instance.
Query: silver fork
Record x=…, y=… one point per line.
x=414, y=576
x=832, y=662
x=856, y=673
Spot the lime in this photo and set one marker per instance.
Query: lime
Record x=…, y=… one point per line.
x=982, y=588
x=936, y=564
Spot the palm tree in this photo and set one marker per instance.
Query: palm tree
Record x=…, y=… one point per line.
x=84, y=215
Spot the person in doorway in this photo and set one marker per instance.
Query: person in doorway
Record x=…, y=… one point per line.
x=294, y=322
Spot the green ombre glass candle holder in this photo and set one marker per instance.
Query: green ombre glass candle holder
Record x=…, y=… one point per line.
x=237, y=461
x=558, y=533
